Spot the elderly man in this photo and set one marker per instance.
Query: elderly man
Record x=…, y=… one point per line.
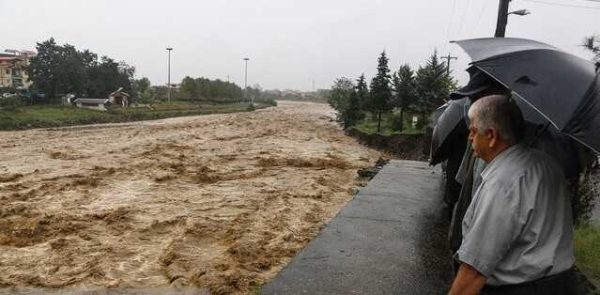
x=517, y=231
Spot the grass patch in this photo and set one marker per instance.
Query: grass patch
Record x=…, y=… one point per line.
x=43, y=116
x=587, y=250
x=369, y=125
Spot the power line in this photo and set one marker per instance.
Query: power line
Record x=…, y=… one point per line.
x=463, y=17
x=448, y=58
x=450, y=22
x=483, y=9
x=565, y=5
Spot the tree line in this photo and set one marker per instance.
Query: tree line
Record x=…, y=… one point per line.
x=405, y=90
x=203, y=89
x=61, y=69
x=57, y=70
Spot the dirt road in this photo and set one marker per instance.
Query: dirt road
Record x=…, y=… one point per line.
x=220, y=201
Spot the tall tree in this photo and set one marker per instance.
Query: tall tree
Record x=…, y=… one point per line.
x=405, y=89
x=592, y=44
x=362, y=92
x=189, y=88
x=45, y=69
x=63, y=69
x=107, y=76
x=381, y=93
x=353, y=111
x=71, y=75
x=433, y=85
x=141, y=89
x=141, y=86
x=343, y=99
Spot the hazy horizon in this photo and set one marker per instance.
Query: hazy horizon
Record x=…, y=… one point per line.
x=290, y=43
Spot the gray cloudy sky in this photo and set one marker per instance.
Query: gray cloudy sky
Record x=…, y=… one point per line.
x=290, y=43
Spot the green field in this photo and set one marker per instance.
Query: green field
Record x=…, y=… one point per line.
x=42, y=116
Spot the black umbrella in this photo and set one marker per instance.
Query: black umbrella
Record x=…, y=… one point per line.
x=450, y=131
x=551, y=86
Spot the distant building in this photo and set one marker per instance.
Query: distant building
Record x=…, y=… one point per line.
x=119, y=97
x=93, y=103
x=13, y=68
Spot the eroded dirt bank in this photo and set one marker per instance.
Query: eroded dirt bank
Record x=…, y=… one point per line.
x=220, y=202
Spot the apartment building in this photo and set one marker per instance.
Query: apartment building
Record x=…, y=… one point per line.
x=13, y=69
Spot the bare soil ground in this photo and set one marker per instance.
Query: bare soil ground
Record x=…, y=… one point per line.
x=219, y=201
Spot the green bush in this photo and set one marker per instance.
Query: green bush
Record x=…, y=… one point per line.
x=396, y=122
x=7, y=90
x=41, y=116
x=266, y=101
x=11, y=102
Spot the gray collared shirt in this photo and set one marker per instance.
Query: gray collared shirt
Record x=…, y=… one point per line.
x=519, y=226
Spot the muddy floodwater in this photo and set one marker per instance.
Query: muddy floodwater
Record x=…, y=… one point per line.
x=220, y=202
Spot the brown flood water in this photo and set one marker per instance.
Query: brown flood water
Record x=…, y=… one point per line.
x=220, y=201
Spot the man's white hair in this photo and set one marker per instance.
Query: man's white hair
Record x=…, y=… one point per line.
x=500, y=113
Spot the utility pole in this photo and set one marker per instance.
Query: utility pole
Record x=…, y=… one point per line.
x=246, y=79
x=169, y=77
x=502, y=18
x=448, y=58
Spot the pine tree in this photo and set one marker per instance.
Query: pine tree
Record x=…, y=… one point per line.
x=381, y=93
x=433, y=85
x=362, y=92
x=405, y=89
x=352, y=113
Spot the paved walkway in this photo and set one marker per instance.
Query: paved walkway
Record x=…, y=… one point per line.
x=390, y=239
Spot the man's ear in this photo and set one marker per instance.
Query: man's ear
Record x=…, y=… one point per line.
x=492, y=135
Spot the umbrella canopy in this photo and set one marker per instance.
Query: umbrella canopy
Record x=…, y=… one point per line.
x=550, y=85
x=450, y=131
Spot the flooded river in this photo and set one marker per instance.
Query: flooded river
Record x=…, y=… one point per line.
x=219, y=201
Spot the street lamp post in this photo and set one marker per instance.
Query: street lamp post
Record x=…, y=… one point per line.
x=503, y=17
x=246, y=79
x=169, y=77
x=520, y=12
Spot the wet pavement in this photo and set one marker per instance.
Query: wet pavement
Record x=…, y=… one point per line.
x=390, y=239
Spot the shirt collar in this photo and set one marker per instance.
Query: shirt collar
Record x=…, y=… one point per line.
x=495, y=163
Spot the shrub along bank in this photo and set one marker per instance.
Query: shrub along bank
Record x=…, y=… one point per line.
x=43, y=116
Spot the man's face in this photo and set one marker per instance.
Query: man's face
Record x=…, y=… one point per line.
x=480, y=140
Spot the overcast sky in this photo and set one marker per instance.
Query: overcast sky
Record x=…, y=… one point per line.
x=290, y=43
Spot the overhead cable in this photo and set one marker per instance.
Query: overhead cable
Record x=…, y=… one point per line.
x=565, y=5
x=483, y=9
x=462, y=19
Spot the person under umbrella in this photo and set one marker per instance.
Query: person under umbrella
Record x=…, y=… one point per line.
x=448, y=143
x=518, y=229
x=554, y=89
